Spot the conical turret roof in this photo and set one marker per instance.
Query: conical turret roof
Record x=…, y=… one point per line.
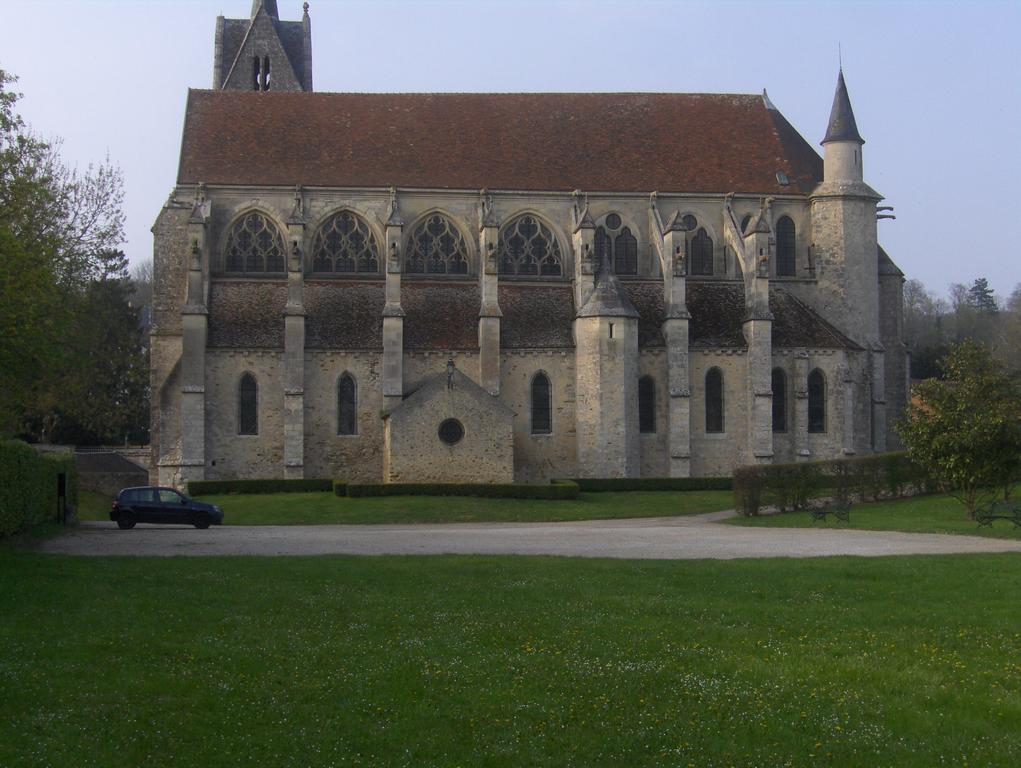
x=608, y=298
x=842, y=126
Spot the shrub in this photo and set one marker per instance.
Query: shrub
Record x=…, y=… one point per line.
x=795, y=486
x=588, y=485
x=340, y=487
x=28, y=485
x=558, y=489
x=210, y=487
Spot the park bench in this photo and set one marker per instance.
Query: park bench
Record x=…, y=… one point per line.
x=1000, y=510
x=839, y=509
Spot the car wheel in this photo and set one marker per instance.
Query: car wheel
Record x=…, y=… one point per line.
x=201, y=521
x=126, y=521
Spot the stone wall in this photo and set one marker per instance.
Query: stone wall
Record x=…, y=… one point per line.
x=356, y=458
x=539, y=458
x=716, y=454
x=228, y=454
x=654, y=446
x=414, y=452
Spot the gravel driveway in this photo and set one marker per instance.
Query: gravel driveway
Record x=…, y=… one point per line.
x=670, y=538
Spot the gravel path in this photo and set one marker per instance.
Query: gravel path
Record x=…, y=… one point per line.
x=671, y=538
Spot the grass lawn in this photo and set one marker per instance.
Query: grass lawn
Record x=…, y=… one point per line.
x=323, y=508
x=476, y=661
x=919, y=514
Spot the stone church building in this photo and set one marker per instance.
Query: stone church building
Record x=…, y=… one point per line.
x=510, y=287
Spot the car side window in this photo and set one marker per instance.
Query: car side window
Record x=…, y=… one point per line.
x=169, y=497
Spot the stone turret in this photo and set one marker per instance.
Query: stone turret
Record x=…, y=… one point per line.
x=263, y=53
x=847, y=269
x=606, y=339
x=843, y=158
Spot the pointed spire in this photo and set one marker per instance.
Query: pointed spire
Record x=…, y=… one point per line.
x=842, y=126
x=269, y=5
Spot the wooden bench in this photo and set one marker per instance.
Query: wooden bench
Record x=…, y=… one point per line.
x=841, y=510
x=1000, y=510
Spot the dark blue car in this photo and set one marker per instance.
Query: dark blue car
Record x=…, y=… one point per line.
x=162, y=505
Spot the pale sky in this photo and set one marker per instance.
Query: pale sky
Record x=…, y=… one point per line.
x=935, y=86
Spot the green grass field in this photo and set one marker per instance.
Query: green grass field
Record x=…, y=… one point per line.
x=920, y=514
x=509, y=662
x=323, y=508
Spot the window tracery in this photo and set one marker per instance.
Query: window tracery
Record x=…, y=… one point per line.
x=616, y=241
x=436, y=247
x=529, y=247
x=254, y=245
x=345, y=244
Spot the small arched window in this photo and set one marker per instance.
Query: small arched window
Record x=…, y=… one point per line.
x=347, y=406
x=779, y=386
x=786, y=240
x=254, y=245
x=528, y=247
x=248, y=405
x=646, y=405
x=542, y=405
x=816, y=401
x=345, y=244
x=436, y=247
x=701, y=253
x=714, y=400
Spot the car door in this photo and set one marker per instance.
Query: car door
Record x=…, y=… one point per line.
x=173, y=507
x=143, y=504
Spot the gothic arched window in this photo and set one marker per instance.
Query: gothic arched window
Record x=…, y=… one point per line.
x=701, y=253
x=347, y=405
x=646, y=405
x=436, y=247
x=528, y=247
x=714, y=400
x=248, y=405
x=786, y=265
x=816, y=401
x=779, y=387
x=542, y=405
x=254, y=245
x=617, y=242
x=345, y=244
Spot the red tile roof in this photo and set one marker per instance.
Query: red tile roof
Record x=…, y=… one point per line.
x=615, y=142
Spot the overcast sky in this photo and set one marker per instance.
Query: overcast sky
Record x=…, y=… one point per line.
x=935, y=86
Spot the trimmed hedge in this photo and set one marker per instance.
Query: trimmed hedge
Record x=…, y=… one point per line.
x=28, y=485
x=340, y=487
x=558, y=489
x=211, y=487
x=794, y=486
x=655, y=484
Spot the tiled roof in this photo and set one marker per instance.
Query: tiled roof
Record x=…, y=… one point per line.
x=538, y=316
x=439, y=315
x=342, y=314
x=638, y=142
x=247, y=314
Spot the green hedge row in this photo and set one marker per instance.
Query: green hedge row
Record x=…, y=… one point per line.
x=28, y=485
x=656, y=484
x=210, y=487
x=794, y=486
x=559, y=489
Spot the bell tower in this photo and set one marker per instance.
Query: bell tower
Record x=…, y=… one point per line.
x=263, y=53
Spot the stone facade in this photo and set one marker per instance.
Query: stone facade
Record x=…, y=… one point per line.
x=525, y=312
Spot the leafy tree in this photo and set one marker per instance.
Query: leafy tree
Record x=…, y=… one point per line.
x=58, y=231
x=966, y=428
